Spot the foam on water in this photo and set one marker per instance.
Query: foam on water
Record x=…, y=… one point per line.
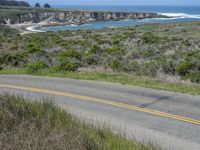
x=181, y=15
x=32, y=28
x=73, y=25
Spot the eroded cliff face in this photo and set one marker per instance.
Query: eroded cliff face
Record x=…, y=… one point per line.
x=76, y=17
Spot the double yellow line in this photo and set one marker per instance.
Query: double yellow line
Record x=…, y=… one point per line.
x=107, y=102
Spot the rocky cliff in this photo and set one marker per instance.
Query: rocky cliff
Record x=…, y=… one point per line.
x=75, y=17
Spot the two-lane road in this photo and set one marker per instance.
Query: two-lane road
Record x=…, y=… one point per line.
x=170, y=120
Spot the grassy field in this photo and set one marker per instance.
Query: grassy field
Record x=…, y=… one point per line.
x=40, y=125
x=122, y=78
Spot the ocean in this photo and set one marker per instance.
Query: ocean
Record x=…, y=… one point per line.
x=178, y=14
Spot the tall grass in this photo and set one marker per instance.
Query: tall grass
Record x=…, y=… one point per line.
x=37, y=125
x=188, y=88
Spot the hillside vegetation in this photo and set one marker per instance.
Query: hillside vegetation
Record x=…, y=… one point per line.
x=164, y=52
x=14, y=3
x=41, y=125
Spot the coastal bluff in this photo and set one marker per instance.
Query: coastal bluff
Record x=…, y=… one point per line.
x=71, y=16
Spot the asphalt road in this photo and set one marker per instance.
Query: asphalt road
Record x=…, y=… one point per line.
x=169, y=120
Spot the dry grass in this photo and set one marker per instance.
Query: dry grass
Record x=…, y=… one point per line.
x=42, y=126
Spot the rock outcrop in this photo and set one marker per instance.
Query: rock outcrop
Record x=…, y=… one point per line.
x=73, y=17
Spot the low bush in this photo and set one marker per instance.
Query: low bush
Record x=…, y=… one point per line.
x=33, y=48
x=69, y=60
x=67, y=65
x=149, y=68
x=114, y=51
x=149, y=37
x=116, y=65
x=132, y=66
x=194, y=77
x=71, y=54
x=35, y=67
x=12, y=59
x=95, y=49
x=184, y=68
x=92, y=59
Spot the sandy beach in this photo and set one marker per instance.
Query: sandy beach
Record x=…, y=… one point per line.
x=29, y=27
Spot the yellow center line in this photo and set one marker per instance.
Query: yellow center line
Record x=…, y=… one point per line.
x=107, y=102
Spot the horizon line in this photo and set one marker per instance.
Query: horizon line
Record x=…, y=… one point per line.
x=119, y=5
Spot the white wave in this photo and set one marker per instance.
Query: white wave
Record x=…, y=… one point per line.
x=73, y=25
x=86, y=24
x=32, y=28
x=155, y=19
x=181, y=15
x=127, y=19
x=112, y=27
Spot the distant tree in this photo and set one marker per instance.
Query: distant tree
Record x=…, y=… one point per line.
x=46, y=5
x=37, y=5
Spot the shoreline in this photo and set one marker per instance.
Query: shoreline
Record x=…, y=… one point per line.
x=73, y=19
x=33, y=29
x=29, y=27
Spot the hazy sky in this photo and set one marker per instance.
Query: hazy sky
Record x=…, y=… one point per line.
x=117, y=2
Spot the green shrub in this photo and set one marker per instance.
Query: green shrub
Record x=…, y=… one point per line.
x=116, y=65
x=69, y=60
x=134, y=54
x=114, y=50
x=63, y=44
x=33, y=48
x=150, y=68
x=92, y=59
x=12, y=59
x=184, y=68
x=194, y=77
x=58, y=40
x=193, y=54
x=132, y=66
x=67, y=65
x=94, y=50
x=35, y=67
x=187, y=42
x=1, y=60
x=149, y=37
x=14, y=46
x=71, y=54
x=116, y=41
x=148, y=53
x=169, y=66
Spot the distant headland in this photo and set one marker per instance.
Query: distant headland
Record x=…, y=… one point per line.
x=27, y=16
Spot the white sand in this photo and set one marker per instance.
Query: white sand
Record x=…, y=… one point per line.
x=33, y=29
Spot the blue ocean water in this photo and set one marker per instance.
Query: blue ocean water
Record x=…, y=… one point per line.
x=178, y=14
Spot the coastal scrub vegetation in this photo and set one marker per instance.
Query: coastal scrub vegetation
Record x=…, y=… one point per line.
x=42, y=125
x=162, y=52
